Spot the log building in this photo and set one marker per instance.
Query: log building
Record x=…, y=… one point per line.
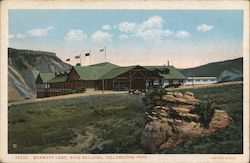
x=105, y=76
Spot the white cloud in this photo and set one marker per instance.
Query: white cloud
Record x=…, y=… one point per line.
x=106, y=27
x=127, y=27
x=154, y=34
x=182, y=34
x=149, y=30
x=152, y=22
x=20, y=35
x=101, y=36
x=76, y=35
x=11, y=36
x=204, y=28
x=39, y=32
x=123, y=37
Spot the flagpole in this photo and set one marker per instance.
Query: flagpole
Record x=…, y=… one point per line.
x=90, y=56
x=105, y=53
x=80, y=59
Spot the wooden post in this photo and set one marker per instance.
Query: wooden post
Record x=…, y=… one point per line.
x=113, y=84
x=193, y=80
x=102, y=86
x=129, y=80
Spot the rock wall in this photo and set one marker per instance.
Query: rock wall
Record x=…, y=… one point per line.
x=163, y=131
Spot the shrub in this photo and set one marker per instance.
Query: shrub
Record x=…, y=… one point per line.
x=205, y=112
x=154, y=98
x=173, y=114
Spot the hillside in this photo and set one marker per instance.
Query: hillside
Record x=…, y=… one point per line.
x=229, y=70
x=23, y=68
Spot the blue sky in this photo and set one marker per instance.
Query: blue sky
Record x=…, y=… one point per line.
x=186, y=38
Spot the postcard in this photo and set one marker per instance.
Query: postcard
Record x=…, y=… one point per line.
x=124, y=81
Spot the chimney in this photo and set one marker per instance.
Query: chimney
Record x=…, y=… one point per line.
x=168, y=62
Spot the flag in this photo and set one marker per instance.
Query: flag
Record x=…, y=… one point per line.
x=77, y=57
x=101, y=50
x=87, y=54
x=78, y=64
x=68, y=59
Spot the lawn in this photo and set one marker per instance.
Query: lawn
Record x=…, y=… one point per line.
x=112, y=124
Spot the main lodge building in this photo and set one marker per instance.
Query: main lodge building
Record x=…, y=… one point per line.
x=105, y=76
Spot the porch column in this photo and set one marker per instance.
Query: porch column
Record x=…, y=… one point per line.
x=102, y=86
x=130, y=80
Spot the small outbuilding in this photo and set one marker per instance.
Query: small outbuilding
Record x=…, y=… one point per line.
x=200, y=80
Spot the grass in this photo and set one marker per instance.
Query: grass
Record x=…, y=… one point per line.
x=112, y=124
x=35, y=127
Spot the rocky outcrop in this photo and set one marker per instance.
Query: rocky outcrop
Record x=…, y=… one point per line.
x=23, y=68
x=180, y=99
x=172, y=124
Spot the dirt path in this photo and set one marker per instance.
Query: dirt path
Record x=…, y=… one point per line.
x=79, y=144
x=205, y=85
x=63, y=97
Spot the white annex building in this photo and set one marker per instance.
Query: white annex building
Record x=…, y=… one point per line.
x=200, y=80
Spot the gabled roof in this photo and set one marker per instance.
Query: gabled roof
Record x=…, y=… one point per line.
x=59, y=78
x=116, y=72
x=103, y=64
x=94, y=72
x=46, y=76
x=173, y=72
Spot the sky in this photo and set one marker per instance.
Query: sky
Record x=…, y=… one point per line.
x=185, y=38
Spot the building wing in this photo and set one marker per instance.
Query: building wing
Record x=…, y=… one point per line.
x=45, y=77
x=171, y=74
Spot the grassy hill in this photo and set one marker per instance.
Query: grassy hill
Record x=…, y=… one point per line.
x=112, y=124
x=225, y=71
x=23, y=68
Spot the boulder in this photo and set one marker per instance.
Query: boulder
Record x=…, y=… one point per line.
x=220, y=120
x=182, y=101
x=154, y=113
x=189, y=115
x=178, y=94
x=151, y=118
x=169, y=93
x=163, y=115
x=158, y=107
x=165, y=108
x=189, y=94
x=154, y=135
x=182, y=109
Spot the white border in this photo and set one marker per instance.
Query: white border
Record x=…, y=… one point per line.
x=77, y=4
